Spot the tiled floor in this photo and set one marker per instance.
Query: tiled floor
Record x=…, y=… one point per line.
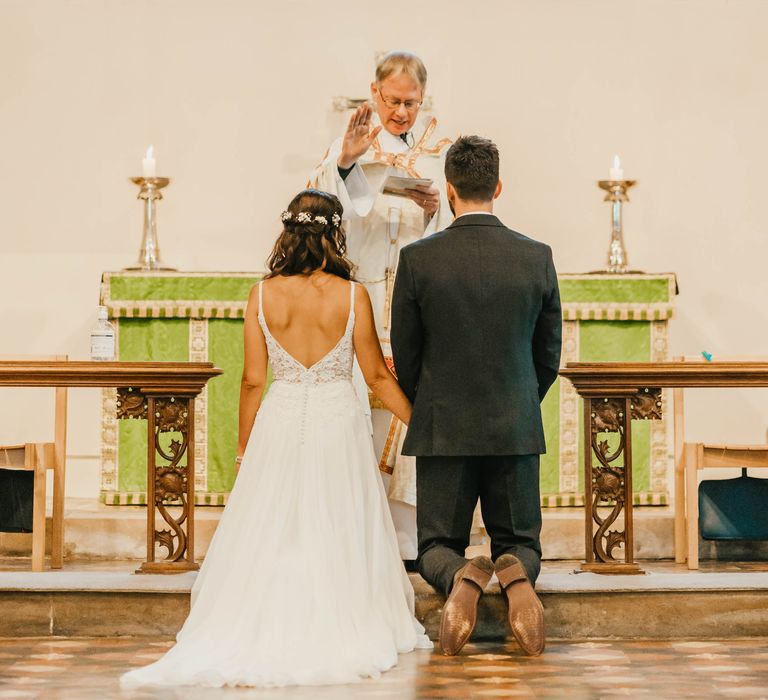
x=88, y=669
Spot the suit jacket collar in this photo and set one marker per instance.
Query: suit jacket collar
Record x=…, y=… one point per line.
x=476, y=220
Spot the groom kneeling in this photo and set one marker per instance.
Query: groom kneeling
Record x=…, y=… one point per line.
x=476, y=329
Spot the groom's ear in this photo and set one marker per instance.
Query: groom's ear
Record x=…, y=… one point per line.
x=450, y=191
x=498, y=190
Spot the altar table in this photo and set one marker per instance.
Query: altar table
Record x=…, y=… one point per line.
x=163, y=394
x=615, y=394
x=198, y=316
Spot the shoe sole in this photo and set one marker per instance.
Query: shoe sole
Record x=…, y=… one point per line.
x=525, y=615
x=453, y=613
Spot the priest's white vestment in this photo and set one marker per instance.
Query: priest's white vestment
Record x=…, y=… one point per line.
x=378, y=225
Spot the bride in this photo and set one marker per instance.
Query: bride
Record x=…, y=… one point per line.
x=303, y=583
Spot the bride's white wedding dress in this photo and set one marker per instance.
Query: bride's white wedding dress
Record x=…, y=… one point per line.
x=303, y=582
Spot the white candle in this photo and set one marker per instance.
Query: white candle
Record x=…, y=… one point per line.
x=148, y=163
x=616, y=172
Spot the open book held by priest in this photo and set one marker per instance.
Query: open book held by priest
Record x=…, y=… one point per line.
x=399, y=186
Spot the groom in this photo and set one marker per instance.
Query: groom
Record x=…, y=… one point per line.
x=476, y=328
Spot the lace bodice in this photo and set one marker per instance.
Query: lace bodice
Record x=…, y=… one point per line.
x=335, y=366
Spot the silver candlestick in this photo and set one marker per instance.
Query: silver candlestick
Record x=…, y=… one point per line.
x=616, y=193
x=149, y=193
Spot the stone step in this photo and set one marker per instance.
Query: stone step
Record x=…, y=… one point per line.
x=87, y=599
x=94, y=530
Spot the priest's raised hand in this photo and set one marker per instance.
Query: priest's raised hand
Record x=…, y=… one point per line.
x=358, y=137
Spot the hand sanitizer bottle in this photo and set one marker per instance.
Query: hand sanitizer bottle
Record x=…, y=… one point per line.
x=103, y=338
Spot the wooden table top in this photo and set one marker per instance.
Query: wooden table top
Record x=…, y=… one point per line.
x=183, y=377
x=620, y=377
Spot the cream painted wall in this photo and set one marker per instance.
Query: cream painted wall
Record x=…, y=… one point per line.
x=236, y=97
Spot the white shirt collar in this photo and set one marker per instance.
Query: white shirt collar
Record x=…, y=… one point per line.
x=394, y=144
x=472, y=213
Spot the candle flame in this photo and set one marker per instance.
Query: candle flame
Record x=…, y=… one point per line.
x=617, y=162
x=150, y=152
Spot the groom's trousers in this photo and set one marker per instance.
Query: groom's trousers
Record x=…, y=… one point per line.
x=447, y=491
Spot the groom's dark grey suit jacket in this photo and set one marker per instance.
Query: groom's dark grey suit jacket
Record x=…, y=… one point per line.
x=476, y=327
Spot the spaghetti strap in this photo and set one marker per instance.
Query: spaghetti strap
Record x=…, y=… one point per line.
x=351, y=302
x=261, y=313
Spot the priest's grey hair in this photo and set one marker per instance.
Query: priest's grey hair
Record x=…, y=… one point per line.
x=396, y=62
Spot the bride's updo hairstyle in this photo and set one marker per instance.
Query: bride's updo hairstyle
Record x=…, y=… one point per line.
x=312, y=237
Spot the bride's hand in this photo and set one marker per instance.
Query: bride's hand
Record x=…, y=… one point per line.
x=358, y=137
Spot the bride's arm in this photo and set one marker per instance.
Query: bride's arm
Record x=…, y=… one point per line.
x=368, y=350
x=254, y=371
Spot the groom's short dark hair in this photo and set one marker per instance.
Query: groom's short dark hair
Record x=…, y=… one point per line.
x=472, y=167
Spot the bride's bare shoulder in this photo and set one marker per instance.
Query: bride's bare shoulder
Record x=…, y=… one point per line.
x=361, y=295
x=279, y=285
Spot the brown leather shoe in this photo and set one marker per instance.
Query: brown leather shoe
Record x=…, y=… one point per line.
x=460, y=611
x=526, y=613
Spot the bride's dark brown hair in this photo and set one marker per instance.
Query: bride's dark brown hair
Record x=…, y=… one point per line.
x=308, y=245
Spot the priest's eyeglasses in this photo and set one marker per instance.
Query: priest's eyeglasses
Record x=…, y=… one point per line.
x=392, y=103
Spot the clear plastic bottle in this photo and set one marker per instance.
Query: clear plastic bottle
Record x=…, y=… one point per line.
x=103, y=338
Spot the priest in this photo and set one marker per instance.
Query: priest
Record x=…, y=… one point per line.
x=389, y=136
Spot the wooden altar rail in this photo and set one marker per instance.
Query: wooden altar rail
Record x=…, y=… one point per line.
x=164, y=394
x=615, y=393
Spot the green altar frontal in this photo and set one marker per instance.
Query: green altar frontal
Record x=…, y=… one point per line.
x=173, y=316
x=608, y=318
